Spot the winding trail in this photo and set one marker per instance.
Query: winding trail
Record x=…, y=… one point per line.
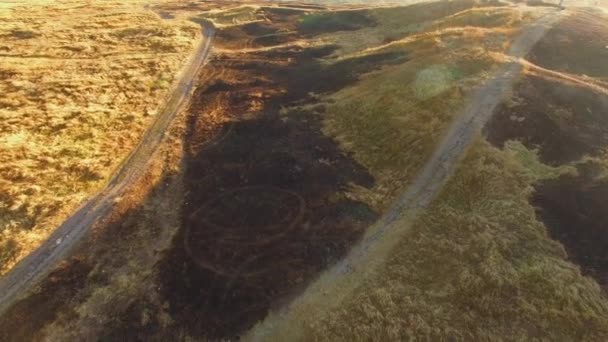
x=29, y=271
x=340, y=279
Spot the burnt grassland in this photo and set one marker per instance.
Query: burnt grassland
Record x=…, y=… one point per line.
x=476, y=265
x=568, y=127
x=289, y=155
x=279, y=175
x=514, y=246
x=79, y=85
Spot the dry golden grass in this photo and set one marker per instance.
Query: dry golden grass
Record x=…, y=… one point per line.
x=238, y=15
x=79, y=84
x=147, y=219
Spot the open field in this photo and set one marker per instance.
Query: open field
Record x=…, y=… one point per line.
x=568, y=128
x=477, y=265
x=308, y=122
x=514, y=247
x=80, y=85
x=275, y=88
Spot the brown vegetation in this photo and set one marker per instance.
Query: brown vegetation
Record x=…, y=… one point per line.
x=480, y=264
x=268, y=125
x=79, y=86
x=294, y=143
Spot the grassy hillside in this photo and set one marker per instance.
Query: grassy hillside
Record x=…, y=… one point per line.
x=568, y=127
x=392, y=118
x=514, y=246
x=79, y=85
x=316, y=121
x=477, y=265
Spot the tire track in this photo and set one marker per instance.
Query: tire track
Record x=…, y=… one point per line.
x=29, y=271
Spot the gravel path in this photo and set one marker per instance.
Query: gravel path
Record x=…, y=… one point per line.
x=29, y=271
x=436, y=172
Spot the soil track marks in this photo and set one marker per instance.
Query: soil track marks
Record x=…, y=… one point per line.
x=267, y=207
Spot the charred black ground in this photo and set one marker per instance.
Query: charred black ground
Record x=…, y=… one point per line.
x=574, y=209
x=566, y=123
x=266, y=208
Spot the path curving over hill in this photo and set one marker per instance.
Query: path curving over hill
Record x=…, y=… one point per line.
x=338, y=281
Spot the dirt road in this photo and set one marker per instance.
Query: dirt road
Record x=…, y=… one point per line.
x=337, y=281
x=35, y=266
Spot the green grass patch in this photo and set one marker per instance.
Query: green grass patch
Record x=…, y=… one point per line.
x=392, y=119
x=336, y=21
x=476, y=266
x=234, y=16
x=532, y=165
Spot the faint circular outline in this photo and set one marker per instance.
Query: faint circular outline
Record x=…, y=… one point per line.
x=217, y=138
x=237, y=273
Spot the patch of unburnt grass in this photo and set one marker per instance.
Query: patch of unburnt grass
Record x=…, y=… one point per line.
x=316, y=23
x=283, y=13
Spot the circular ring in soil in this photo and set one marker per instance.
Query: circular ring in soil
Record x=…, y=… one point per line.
x=228, y=230
x=218, y=136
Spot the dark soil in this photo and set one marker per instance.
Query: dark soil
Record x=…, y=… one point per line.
x=576, y=45
x=266, y=207
x=574, y=211
x=564, y=122
x=258, y=29
x=24, y=320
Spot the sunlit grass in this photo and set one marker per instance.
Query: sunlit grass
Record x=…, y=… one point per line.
x=233, y=16
x=79, y=86
x=476, y=266
x=392, y=119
